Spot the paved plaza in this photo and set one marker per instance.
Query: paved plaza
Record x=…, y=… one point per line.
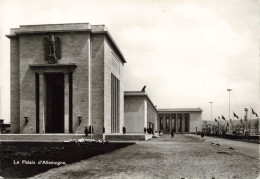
x=165, y=157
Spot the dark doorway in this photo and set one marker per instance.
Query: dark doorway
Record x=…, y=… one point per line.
x=55, y=103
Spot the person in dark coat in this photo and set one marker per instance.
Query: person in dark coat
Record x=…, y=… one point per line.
x=86, y=131
x=172, y=133
x=91, y=129
x=202, y=134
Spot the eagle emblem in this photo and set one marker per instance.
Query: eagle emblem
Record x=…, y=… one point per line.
x=52, y=49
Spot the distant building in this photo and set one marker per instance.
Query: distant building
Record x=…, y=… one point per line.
x=140, y=113
x=180, y=119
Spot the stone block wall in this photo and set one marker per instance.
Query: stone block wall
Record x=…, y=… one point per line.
x=134, y=114
x=112, y=64
x=15, y=88
x=195, y=121
x=97, y=82
x=74, y=49
x=31, y=52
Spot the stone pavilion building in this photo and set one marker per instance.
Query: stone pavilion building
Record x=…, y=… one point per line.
x=65, y=77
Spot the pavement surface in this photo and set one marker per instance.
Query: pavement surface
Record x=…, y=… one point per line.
x=165, y=157
x=246, y=148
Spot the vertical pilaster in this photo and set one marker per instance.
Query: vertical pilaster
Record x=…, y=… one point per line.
x=66, y=102
x=118, y=105
x=145, y=114
x=89, y=81
x=42, y=102
x=116, y=100
x=112, y=104
x=15, y=85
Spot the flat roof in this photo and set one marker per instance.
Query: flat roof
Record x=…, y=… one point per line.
x=135, y=93
x=67, y=27
x=179, y=110
x=139, y=94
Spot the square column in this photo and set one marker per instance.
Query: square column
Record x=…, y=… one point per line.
x=175, y=121
x=178, y=122
x=170, y=122
x=164, y=121
x=42, y=102
x=183, y=123
x=66, y=102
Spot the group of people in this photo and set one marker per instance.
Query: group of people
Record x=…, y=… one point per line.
x=202, y=134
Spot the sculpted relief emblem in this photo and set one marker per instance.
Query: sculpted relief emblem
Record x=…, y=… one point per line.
x=52, y=49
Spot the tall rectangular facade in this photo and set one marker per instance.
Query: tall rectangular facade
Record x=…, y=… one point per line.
x=61, y=78
x=140, y=113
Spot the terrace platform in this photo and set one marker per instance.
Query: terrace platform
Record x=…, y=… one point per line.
x=45, y=137
x=61, y=137
x=127, y=137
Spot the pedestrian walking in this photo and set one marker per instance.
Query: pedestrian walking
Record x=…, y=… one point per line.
x=202, y=134
x=172, y=133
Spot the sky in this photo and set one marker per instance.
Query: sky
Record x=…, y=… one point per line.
x=187, y=52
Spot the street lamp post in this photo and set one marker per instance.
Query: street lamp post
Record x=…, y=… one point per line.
x=229, y=90
x=210, y=110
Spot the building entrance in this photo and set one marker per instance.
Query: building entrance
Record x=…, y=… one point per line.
x=54, y=103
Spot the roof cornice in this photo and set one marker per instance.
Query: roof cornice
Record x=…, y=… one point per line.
x=65, y=28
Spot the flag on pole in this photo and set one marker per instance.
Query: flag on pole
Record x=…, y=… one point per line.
x=223, y=117
x=216, y=120
x=235, y=115
x=253, y=112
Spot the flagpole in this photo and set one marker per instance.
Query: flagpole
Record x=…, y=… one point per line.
x=251, y=113
x=246, y=118
x=250, y=120
x=229, y=90
x=218, y=123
